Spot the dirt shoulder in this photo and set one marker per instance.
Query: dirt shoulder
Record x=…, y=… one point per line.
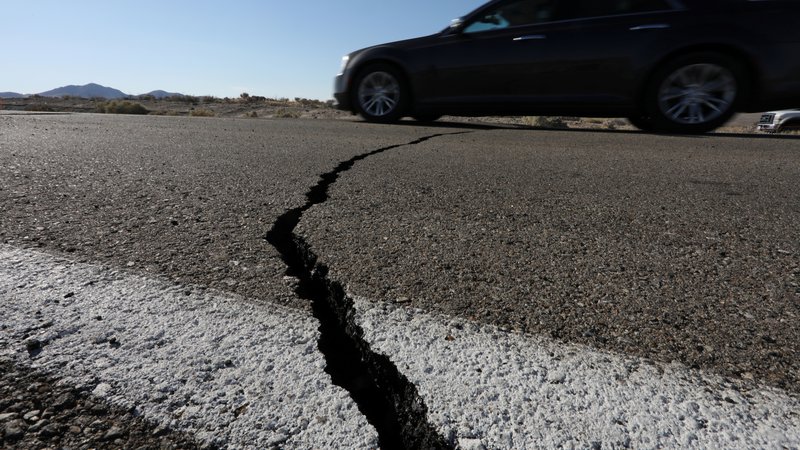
x=299, y=108
x=252, y=107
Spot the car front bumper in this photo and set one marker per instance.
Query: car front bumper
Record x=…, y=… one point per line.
x=768, y=127
x=340, y=93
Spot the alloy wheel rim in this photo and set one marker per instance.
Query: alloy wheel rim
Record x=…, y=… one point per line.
x=697, y=93
x=379, y=94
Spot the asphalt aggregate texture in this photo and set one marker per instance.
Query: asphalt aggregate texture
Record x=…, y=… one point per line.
x=672, y=248
x=190, y=199
x=38, y=412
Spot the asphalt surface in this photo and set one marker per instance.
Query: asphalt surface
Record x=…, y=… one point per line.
x=191, y=200
x=674, y=248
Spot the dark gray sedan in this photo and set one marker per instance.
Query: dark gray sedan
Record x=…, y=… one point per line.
x=679, y=66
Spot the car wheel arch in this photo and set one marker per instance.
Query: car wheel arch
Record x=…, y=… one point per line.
x=788, y=124
x=366, y=64
x=750, y=71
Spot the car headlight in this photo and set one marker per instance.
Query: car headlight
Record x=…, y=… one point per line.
x=345, y=61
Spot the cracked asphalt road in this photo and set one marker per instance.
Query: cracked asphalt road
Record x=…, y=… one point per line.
x=188, y=200
x=673, y=248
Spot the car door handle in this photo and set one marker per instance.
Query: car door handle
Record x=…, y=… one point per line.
x=531, y=37
x=655, y=26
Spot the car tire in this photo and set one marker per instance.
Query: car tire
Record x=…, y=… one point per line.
x=695, y=93
x=380, y=94
x=643, y=123
x=426, y=118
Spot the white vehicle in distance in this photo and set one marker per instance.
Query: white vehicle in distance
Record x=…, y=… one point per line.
x=777, y=121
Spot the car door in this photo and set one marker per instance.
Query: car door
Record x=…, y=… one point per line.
x=584, y=53
x=605, y=47
x=494, y=58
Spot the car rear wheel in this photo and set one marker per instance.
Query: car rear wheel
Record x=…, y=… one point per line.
x=380, y=94
x=696, y=93
x=643, y=123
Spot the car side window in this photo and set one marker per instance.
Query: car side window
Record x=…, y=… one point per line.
x=580, y=9
x=514, y=13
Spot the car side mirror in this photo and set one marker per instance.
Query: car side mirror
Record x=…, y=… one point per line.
x=456, y=25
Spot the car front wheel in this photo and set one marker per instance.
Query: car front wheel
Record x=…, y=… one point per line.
x=380, y=94
x=694, y=94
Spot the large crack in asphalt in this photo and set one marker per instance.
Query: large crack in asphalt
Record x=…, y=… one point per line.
x=388, y=400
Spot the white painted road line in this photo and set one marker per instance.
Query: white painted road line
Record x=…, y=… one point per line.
x=246, y=375
x=485, y=388
x=235, y=373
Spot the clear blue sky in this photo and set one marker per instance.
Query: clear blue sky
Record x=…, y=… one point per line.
x=273, y=48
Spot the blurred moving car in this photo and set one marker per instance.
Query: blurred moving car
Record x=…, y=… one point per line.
x=683, y=66
x=777, y=121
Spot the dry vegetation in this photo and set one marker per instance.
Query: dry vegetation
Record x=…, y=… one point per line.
x=121, y=107
x=255, y=107
x=243, y=106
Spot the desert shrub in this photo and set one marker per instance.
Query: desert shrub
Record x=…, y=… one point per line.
x=202, y=113
x=121, y=107
x=183, y=99
x=39, y=107
x=247, y=98
x=209, y=99
x=308, y=103
x=165, y=112
x=253, y=115
x=546, y=122
x=286, y=114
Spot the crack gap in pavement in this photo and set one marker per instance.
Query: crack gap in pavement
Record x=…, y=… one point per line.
x=388, y=400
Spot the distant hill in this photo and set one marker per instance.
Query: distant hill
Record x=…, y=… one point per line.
x=163, y=94
x=90, y=90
